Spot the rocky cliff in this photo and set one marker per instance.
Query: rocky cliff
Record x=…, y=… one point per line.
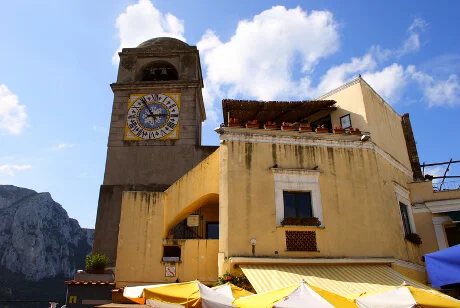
x=38, y=240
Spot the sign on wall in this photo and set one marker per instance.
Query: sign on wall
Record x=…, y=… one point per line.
x=193, y=221
x=170, y=271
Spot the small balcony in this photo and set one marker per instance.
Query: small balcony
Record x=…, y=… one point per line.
x=446, y=186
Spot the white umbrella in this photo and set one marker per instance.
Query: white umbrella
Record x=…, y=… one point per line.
x=394, y=298
x=303, y=296
x=214, y=299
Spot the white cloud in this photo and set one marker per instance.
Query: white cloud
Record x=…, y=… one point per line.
x=264, y=53
x=9, y=169
x=389, y=82
x=338, y=75
x=437, y=92
x=12, y=115
x=62, y=146
x=444, y=92
x=412, y=43
x=141, y=22
x=435, y=171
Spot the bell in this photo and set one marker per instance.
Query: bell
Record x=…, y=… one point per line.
x=163, y=71
x=152, y=71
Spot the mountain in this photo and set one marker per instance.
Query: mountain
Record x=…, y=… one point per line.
x=40, y=246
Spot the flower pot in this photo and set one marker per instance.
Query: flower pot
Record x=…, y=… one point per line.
x=270, y=126
x=170, y=236
x=305, y=128
x=338, y=131
x=322, y=130
x=355, y=132
x=291, y=128
x=252, y=125
x=234, y=125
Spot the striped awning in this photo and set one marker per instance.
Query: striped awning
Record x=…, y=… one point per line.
x=346, y=280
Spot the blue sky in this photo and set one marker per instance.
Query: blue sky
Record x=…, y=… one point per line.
x=59, y=57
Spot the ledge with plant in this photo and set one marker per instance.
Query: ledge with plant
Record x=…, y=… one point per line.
x=96, y=263
x=301, y=221
x=239, y=280
x=414, y=238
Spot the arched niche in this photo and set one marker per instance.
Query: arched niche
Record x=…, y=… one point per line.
x=158, y=71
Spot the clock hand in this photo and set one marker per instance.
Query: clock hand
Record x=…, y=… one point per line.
x=144, y=101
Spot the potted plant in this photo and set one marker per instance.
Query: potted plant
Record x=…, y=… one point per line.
x=252, y=124
x=271, y=125
x=338, y=130
x=238, y=280
x=305, y=127
x=355, y=131
x=287, y=126
x=414, y=238
x=322, y=129
x=96, y=263
x=301, y=221
x=234, y=122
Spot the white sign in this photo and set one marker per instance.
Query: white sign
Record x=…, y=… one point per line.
x=193, y=220
x=170, y=271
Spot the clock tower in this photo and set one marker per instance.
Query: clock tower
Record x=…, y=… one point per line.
x=155, y=129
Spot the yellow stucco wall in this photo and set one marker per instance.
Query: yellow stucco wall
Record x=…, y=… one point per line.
x=370, y=113
x=196, y=188
x=350, y=101
x=423, y=192
x=425, y=228
x=385, y=125
x=140, y=246
x=146, y=218
x=360, y=211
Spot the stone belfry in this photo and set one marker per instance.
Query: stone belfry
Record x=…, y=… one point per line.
x=155, y=129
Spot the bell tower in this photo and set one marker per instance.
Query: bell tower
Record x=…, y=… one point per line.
x=155, y=129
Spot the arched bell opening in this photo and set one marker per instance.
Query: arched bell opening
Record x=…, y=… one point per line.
x=158, y=71
x=199, y=221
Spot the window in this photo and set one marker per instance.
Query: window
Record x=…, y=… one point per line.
x=405, y=218
x=212, y=230
x=171, y=253
x=297, y=204
x=453, y=235
x=405, y=209
x=297, y=192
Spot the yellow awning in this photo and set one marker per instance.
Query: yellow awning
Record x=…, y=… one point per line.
x=345, y=280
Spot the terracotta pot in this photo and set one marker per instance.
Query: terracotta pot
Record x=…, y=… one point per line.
x=283, y=127
x=338, y=131
x=305, y=129
x=322, y=130
x=355, y=132
x=272, y=127
x=234, y=125
x=252, y=125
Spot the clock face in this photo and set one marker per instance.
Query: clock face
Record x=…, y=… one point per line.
x=153, y=116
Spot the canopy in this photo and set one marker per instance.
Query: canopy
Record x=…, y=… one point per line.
x=235, y=291
x=269, y=299
x=302, y=295
x=345, y=280
x=407, y=297
x=188, y=294
x=444, y=266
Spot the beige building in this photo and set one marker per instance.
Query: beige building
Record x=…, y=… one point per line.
x=275, y=204
x=436, y=214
